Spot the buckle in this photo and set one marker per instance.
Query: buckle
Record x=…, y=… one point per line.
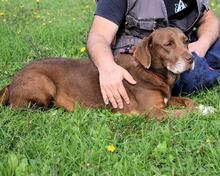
x=126, y=50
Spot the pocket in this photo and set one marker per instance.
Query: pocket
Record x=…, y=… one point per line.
x=147, y=24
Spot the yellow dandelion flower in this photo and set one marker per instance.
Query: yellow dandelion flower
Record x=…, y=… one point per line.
x=111, y=148
x=2, y=14
x=37, y=1
x=83, y=49
x=208, y=141
x=212, y=4
x=37, y=16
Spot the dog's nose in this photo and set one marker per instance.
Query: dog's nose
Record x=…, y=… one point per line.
x=189, y=59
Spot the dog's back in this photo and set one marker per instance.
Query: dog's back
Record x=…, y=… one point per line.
x=57, y=79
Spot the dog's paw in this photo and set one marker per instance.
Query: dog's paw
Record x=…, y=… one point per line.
x=205, y=110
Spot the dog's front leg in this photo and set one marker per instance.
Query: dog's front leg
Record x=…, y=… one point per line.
x=161, y=114
x=188, y=104
x=182, y=101
x=157, y=113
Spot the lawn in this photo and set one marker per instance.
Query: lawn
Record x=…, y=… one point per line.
x=55, y=142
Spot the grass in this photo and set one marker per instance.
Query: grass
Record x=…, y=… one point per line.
x=55, y=142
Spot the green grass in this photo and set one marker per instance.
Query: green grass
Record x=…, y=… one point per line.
x=215, y=4
x=55, y=142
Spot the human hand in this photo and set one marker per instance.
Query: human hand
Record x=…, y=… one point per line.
x=112, y=87
x=198, y=47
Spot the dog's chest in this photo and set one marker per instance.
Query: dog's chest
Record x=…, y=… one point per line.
x=166, y=92
x=165, y=100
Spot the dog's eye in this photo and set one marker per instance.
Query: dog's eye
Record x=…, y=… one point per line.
x=168, y=43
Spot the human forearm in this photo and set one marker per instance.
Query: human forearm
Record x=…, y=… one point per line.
x=99, y=51
x=207, y=33
x=208, y=30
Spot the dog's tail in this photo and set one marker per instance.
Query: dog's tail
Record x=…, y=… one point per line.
x=4, y=95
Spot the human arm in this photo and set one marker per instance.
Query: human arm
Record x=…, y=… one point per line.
x=111, y=75
x=207, y=33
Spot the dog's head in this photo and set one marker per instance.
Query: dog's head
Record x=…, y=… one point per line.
x=165, y=48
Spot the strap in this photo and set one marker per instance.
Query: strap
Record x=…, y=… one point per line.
x=130, y=5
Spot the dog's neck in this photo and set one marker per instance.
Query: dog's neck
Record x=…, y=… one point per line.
x=164, y=75
x=135, y=68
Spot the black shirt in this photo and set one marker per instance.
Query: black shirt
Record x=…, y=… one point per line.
x=115, y=10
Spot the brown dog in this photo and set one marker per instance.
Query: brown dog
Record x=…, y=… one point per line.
x=155, y=64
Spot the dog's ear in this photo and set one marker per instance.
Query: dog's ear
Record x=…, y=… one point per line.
x=142, y=53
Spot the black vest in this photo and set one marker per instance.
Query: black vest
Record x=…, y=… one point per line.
x=143, y=16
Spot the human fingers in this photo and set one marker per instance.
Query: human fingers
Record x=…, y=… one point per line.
x=111, y=97
x=123, y=93
x=104, y=95
x=127, y=76
x=117, y=96
x=191, y=47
